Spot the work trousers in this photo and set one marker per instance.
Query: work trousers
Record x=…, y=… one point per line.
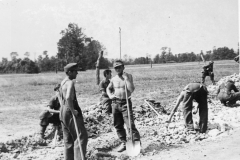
x=72, y=149
x=54, y=119
x=201, y=97
x=120, y=116
x=205, y=74
x=107, y=104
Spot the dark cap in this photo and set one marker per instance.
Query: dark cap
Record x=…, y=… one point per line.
x=118, y=63
x=71, y=67
x=211, y=62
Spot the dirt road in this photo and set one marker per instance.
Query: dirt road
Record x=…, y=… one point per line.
x=222, y=148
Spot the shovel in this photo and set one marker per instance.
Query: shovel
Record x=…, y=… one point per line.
x=133, y=147
x=78, y=137
x=55, y=138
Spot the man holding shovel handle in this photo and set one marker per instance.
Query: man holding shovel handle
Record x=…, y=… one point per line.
x=74, y=132
x=119, y=90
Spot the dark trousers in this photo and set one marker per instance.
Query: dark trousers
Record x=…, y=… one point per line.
x=72, y=150
x=205, y=74
x=201, y=97
x=54, y=119
x=120, y=116
x=107, y=104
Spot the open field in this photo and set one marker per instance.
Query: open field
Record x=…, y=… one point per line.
x=22, y=96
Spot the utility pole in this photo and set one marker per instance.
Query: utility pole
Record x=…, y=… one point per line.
x=120, y=40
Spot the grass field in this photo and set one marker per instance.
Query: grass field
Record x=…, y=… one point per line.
x=22, y=96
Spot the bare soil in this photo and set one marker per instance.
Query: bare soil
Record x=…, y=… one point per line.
x=222, y=148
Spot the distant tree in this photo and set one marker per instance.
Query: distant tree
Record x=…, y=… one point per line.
x=75, y=46
x=13, y=55
x=26, y=54
x=156, y=59
x=71, y=45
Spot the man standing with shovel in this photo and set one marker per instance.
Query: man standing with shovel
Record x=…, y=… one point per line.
x=119, y=90
x=74, y=132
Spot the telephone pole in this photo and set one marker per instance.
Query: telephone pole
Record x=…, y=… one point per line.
x=120, y=40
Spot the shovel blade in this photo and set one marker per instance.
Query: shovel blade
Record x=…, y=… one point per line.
x=133, y=149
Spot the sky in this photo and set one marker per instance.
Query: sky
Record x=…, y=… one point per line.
x=146, y=25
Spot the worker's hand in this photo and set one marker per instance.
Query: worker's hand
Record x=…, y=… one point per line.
x=112, y=96
x=125, y=76
x=75, y=112
x=167, y=121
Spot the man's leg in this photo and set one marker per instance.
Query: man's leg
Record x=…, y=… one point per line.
x=43, y=126
x=72, y=150
x=187, y=110
x=203, y=77
x=201, y=98
x=82, y=135
x=107, y=104
x=136, y=135
x=212, y=78
x=118, y=123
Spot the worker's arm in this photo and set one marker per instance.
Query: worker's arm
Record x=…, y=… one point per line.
x=129, y=81
x=54, y=101
x=52, y=110
x=109, y=90
x=70, y=97
x=102, y=89
x=179, y=100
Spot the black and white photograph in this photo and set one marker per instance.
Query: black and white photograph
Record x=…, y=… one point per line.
x=119, y=80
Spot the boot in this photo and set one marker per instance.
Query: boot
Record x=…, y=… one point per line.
x=42, y=131
x=122, y=147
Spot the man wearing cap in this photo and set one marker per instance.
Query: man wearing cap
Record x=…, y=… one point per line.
x=51, y=114
x=116, y=92
x=236, y=59
x=70, y=108
x=208, y=71
x=225, y=94
x=193, y=91
x=105, y=100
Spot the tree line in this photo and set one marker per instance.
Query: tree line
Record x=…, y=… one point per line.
x=75, y=46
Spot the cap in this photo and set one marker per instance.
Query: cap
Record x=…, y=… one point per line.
x=70, y=67
x=211, y=62
x=118, y=63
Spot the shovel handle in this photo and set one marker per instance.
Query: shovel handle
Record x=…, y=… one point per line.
x=129, y=116
x=55, y=138
x=78, y=137
x=152, y=107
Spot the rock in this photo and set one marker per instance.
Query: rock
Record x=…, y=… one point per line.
x=213, y=132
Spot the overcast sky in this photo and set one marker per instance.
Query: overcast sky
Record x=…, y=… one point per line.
x=147, y=25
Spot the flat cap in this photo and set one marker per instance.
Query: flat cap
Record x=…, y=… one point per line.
x=70, y=67
x=118, y=63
